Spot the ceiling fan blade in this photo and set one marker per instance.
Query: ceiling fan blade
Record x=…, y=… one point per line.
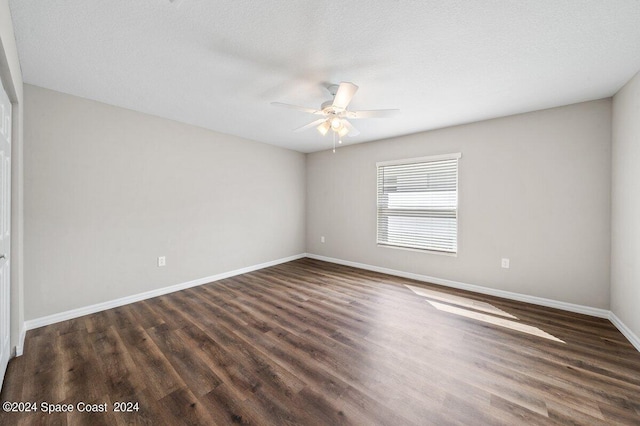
x=374, y=113
x=352, y=130
x=296, y=107
x=310, y=125
x=344, y=95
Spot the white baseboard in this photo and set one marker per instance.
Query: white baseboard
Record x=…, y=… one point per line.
x=550, y=303
x=581, y=309
x=86, y=310
x=626, y=331
x=75, y=313
x=20, y=345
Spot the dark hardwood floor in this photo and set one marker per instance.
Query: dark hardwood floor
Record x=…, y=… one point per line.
x=309, y=343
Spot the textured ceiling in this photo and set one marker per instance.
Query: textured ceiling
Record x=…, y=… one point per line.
x=218, y=64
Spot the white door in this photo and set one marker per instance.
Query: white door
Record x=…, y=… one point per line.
x=5, y=230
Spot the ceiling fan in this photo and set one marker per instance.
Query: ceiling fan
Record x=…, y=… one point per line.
x=335, y=114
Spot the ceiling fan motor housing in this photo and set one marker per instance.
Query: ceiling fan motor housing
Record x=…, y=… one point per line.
x=328, y=108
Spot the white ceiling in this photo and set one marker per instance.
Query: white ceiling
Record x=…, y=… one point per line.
x=218, y=64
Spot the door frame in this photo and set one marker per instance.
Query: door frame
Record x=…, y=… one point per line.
x=6, y=349
x=11, y=77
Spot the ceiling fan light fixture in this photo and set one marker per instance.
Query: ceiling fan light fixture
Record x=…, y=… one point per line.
x=324, y=128
x=336, y=123
x=343, y=131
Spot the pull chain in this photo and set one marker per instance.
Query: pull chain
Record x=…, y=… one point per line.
x=334, y=142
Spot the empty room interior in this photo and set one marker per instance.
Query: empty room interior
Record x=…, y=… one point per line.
x=320, y=212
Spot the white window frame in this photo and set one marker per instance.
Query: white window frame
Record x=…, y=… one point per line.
x=416, y=160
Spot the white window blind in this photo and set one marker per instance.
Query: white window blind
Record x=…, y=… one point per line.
x=418, y=203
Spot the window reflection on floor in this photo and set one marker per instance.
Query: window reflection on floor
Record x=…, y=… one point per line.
x=460, y=301
x=469, y=308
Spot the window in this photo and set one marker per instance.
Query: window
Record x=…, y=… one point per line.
x=418, y=203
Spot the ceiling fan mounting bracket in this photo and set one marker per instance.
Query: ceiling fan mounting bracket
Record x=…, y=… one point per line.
x=333, y=89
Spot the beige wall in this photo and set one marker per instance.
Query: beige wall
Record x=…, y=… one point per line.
x=625, y=200
x=108, y=190
x=534, y=188
x=12, y=82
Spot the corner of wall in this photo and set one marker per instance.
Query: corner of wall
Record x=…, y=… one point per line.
x=626, y=331
x=306, y=201
x=624, y=290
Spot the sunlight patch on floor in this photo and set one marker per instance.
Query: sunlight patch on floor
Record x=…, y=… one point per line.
x=460, y=301
x=464, y=306
x=501, y=322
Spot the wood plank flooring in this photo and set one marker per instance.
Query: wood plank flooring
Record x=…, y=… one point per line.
x=314, y=343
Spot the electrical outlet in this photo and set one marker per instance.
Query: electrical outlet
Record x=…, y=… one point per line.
x=322, y=239
x=162, y=261
x=505, y=263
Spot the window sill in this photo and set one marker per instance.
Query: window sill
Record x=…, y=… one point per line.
x=441, y=253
